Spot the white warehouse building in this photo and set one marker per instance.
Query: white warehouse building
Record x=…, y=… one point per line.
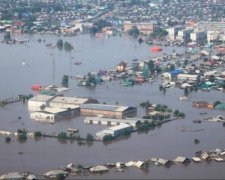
x=114, y=131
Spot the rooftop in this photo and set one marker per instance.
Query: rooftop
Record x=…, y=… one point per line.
x=104, y=107
x=42, y=98
x=69, y=100
x=121, y=126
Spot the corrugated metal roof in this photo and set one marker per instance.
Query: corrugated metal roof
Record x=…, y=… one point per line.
x=69, y=100
x=103, y=107
x=121, y=126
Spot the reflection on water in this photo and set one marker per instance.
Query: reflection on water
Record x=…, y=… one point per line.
x=48, y=65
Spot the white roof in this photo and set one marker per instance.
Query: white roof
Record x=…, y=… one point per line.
x=162, y=161
x=69, y=100
x=139, y=164
x=196, y=159
x=180, y=159
x=130, y=164
x=99, y=168
x=54, y=110
x=121, y=126
x=53, y=173
x=121, y=108
x=13, y=175
x=42, y=98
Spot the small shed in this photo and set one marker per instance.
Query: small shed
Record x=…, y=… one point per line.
x=181, y=159
x=121, y=67
x=139, y=164
x=55, y=173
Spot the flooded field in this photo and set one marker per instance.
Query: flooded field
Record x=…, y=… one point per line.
x=22, y=65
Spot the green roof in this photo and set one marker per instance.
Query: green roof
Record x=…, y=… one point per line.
x=220, y=106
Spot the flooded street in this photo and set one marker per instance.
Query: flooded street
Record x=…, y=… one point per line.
x=23, y=65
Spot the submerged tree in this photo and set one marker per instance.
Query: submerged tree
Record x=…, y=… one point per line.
x=7, y=36
x=60, y=44
x=68, y=46
x=134, y=31
x=186, y=91
x=65, y=80
x=89, y=137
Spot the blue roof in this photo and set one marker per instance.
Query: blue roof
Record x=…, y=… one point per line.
x=176, y=72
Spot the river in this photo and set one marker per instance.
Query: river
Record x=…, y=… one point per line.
x=22, y=65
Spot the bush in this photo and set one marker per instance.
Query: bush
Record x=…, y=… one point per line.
x=7, y=139
x=22, y=136
x=37, y=134
x=223, y=124
x=20, y=131
x=197, y=141
x=60, y=43
x=89, y=137
x=68, y=46
x=62, y=135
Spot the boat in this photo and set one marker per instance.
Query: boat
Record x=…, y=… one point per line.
x=36, y=87
x=156, y=49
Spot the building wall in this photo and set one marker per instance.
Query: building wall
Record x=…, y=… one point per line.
x=93, y=112
x=203, y=105
x=35, y=105
x=145, y=28
x=52, y=117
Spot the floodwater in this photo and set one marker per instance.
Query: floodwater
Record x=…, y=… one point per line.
x=22, y=65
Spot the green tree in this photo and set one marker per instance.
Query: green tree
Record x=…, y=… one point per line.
x=134, y=31
x=99, y=25
x=176, y=113
x=68, y=46
x=186, y=92
x=172, y=67
x=7, y=36
x=89, y=137
x=65, y=80
x=37, y=134
x=60, y=44
x=62, y=135
x=7, y=139
x=161, y=88
x=151, y=65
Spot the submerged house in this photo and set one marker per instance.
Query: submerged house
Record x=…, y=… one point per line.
x=203, y=104
x=121, y=67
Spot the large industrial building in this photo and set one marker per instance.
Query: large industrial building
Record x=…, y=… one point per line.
x=50, y=108
x=61, y=101
x=109, y=111
x=39, y=102
x=53, y=114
